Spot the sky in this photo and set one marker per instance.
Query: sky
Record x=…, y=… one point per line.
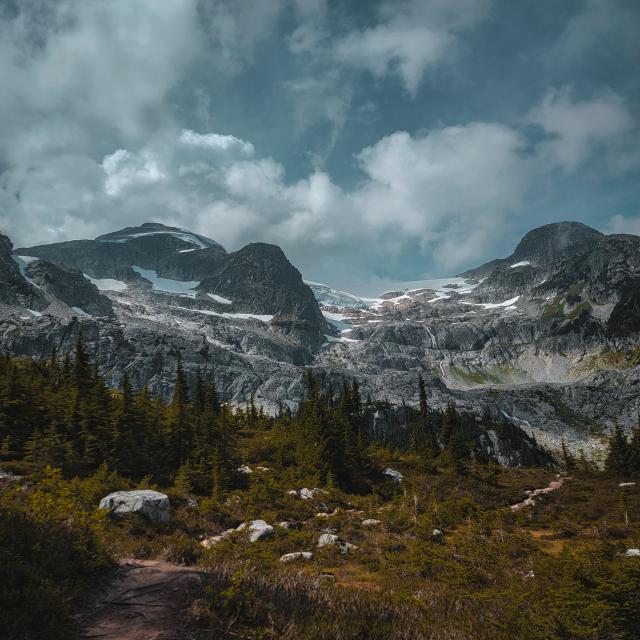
x=374, y=142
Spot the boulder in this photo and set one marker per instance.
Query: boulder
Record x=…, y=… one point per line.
x=258, y=530
x=153, y=505
x=632, y=553
x=331, y=540
x=370, y=522
x=289, y=525
x=244, y=469
x=393, y=474
x=308, y=494
x=214, y=540
x=297, y=555
x=328, y=540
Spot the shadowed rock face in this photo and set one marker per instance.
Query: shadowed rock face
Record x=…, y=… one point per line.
x=555, y=241
x=543, y=246
x=14, y=288
x=171, y=253
x=260, y=279
x=70, y=287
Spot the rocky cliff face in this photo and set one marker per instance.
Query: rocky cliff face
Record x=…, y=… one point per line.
x=70, y=287
x=545, y=339
x=15, y=288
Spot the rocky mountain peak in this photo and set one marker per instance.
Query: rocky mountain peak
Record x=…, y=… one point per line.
x=151, y=229
x=557, y=240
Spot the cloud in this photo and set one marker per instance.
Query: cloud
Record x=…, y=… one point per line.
x=410, y=38
x=576, y=129
x=447, y=194
x=123, y=169
x=321, y=98
x=234, y=29
x=103, y=66
x=216, y=141
x=110, y=116
x=598, y=23
x=447, y=189
x=623, y=224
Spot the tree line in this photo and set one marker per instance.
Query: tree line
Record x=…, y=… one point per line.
x=61, y=413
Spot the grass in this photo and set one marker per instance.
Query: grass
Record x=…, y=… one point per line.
x=553, y=310
x=549, y=571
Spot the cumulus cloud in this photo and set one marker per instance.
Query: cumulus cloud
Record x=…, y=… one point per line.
x=447, y=188
x=578, y=128
x=410, y=37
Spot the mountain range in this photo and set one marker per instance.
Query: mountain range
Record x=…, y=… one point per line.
x=546, y=338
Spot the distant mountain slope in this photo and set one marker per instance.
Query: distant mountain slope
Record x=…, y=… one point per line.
x=547, y=338
x=544, y=245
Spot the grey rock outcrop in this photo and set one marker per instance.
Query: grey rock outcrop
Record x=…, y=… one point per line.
x=70, y=287
x=152, y=505
x=297, y=556
x=256, y=530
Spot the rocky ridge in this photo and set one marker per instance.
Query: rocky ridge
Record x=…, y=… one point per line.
x=545, y=338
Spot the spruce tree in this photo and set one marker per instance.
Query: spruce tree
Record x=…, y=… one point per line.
x=617, y=461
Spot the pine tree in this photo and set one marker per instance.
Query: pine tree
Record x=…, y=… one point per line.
x=178, y=417
x=617, y=461
x=567, y=457
x=634, y=450
x=424, y=441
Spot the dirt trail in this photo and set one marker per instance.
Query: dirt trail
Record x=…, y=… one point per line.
x=554, y=485
x=146, y=601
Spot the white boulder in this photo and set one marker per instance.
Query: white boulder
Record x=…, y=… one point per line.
x=297, y=555
x=632, y=553
x=245, y=469
x=370, y=522
x=153, y=505
x=327, y=540
x=258, y=530
x=308, y=494
x=393, y=474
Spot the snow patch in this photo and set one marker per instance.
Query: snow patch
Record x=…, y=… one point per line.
x=509, y=304
x=81, y=312
x=167, y=285
x=192, y=238
x=241, y=316
x=524, y=263
x=329, y=297
x=219, y=299
x=107, y=284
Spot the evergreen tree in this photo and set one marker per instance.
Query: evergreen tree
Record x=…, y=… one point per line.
x=568, y=459
x=617, y=461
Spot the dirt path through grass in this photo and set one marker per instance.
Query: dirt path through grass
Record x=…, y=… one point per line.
x=554, y=485
x=146, y=600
